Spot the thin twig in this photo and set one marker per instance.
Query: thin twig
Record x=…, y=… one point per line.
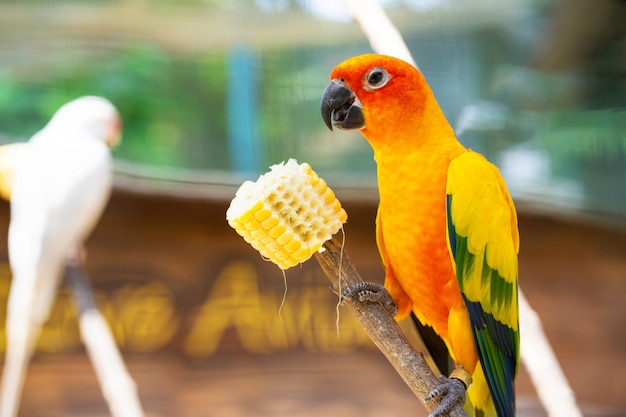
x=117, y=385
x=382, y=328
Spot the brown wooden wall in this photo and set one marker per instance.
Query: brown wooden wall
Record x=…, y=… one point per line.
x=183, y=293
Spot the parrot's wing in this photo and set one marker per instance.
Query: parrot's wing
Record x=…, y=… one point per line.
x=60, y=192
x=484, y=243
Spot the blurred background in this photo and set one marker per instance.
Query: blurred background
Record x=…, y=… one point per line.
x=212, y=93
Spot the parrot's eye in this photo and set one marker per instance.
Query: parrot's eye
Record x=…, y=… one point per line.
x=376, y=78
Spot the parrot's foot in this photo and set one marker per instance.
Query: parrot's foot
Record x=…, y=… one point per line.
x=451, y=391
x=374, y=293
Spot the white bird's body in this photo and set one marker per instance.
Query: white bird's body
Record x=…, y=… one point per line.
x=59, y=192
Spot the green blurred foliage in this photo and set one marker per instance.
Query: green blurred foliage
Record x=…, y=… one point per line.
x=174, y=104
x=165, y=101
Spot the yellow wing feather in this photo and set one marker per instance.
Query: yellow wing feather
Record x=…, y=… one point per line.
x=483, y=212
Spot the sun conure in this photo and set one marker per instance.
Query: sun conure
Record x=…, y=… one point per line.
x=446, y=225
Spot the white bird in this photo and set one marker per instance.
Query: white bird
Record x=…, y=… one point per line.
x=60, y=189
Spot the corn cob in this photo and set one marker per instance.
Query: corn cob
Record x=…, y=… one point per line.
x=287, y=214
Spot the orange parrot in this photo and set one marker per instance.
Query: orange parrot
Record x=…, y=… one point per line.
x=446, y=230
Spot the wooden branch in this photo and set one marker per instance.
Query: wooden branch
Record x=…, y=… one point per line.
x=383, y=36
x=117, y=385
x=382, y=328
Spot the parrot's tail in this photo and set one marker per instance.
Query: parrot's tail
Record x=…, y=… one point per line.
x=18, y=352
x=473, y=411
x=479, y=402
x=21, y=335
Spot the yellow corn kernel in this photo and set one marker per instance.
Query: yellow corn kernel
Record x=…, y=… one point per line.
x=287, y=214
x=262, y=214
x=269, y=223
x=278, y=231
x=294, y=245
x=284, y=238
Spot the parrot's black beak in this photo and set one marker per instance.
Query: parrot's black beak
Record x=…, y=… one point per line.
x=341, y=108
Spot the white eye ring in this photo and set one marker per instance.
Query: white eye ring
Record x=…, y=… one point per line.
x=376, y=78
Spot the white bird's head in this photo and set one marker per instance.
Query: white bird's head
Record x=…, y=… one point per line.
x=94, y=115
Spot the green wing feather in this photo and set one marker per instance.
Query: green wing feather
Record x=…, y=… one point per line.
x=484, y=243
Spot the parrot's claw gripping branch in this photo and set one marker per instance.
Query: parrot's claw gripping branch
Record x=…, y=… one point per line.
x=371, y=292
x=451, y=391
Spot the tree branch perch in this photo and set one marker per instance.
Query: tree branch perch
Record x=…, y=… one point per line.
x=382, y=329
x=118, y=387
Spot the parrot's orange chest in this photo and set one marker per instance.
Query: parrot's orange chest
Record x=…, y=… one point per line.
x=412, y=216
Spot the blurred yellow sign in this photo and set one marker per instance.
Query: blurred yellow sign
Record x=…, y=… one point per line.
x=144, y=318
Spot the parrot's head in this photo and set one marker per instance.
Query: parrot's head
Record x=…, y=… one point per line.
x=93, y=115
x=377, y=94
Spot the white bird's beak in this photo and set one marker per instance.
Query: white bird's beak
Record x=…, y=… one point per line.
x=115, y=133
